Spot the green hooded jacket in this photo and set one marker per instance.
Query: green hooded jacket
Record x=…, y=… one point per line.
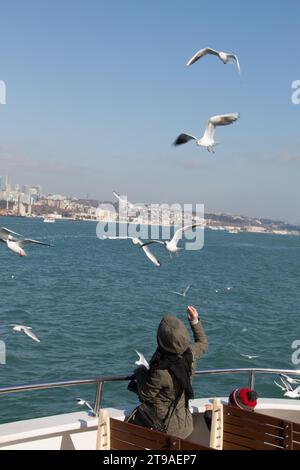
x=157, y=388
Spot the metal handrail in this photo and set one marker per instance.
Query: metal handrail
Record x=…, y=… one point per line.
x=101, y=380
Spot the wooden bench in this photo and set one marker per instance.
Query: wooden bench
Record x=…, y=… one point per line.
x=246, y=430
x=125, y=436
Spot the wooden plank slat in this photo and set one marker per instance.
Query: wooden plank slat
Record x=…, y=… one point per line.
x=296, y=435
x=296, y=440
x=253, y=416
x=140, y=440
x=137, y=430
x=260, y=427
x=187, y=445
x=296, y=446
x=250, y=443
x=253, y=434
x=115, y=444
x=296, y=427
x=232, y=446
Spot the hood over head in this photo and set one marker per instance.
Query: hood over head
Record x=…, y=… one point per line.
x=172, y=335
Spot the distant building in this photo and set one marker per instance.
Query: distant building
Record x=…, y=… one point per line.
x=3, y=183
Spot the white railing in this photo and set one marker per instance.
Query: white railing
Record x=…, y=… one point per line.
x=101, y=380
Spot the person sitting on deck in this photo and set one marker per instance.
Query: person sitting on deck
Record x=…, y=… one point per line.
x=243, y=398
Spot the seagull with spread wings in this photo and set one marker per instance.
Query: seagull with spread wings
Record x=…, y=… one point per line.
x=27, y=330
x=15, y=245
x=137, y=241
x=289, y=379
x=287, y=388
x=142, y=361
x=249, y=357
x=225, y=57
x=124, y=201
x=183, y=294
x=207, y=140
x=82, y=402
x=171, y=245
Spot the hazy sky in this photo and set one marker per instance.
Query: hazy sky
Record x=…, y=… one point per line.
x=97, y=91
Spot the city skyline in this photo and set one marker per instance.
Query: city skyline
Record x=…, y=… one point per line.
x=95, y=96
x=30, y=195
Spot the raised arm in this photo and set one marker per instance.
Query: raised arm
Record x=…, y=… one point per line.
x=200, y=346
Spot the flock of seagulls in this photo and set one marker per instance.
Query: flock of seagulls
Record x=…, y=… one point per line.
x=207, y=140
x=170, y=245
x=15, y=242
x=8, y=237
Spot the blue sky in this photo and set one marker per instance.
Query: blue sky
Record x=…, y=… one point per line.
x=98, y=91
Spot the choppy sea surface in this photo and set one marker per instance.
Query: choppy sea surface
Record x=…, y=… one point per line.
x=94, y=302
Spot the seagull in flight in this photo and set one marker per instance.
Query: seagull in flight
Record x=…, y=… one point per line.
x=171, y=245
x=141, y=360
x=225, y=57
x=248, y=356
x=85, y=403
x=207, y=140
x=123, y=201
x=27, y=330
x=137, y=241
x=183, y=294
x=289, y=379
x=283, y=388
x=287, y=388
x=15, y=245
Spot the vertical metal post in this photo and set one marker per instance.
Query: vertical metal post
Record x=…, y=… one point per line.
x=251, y=383
x=98, y=398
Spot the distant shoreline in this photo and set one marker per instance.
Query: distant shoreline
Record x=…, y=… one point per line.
x=227, y=230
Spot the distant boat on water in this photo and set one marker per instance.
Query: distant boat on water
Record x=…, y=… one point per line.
x=49, y=220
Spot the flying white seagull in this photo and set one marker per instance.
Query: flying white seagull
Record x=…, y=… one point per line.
x=14, y=244
x=289, y=379
x=141, y=360
x=293, y=393
x=225, y=57
x=27, y=330
x=287, y=388
x=248, y=356
x=183, y=294
x=207, y=140
x=85, y=403
x=137, y=241
x=123, y=201
x=7, y=234
x=284, y=389
x=171, y=245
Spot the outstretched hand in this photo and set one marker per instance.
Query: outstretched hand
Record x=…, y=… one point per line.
x=192, y=313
